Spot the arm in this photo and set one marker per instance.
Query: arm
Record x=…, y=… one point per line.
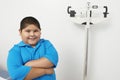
x=17, y=70
x=42, y=63
x=49, y=60
x=37, y=72
x=45, y=64
x=15, y=65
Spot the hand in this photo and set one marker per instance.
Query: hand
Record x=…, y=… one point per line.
x=28, y=64
x=49, y=71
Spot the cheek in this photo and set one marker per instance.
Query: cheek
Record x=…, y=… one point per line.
x=38, y=34
x=24, y=36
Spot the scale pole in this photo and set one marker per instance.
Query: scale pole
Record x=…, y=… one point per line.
x=87, y=27
x=86, y=54
x=87, y=21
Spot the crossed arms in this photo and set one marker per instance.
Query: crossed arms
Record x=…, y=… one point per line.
x=31, y=69
x=40, y=67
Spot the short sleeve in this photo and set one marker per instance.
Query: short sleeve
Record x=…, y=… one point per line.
x=16, y=68
x=51, y=53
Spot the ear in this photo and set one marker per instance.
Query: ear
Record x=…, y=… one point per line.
x=40, y=31
x=20, y=32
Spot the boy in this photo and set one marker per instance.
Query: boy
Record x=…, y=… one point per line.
x=32, y=58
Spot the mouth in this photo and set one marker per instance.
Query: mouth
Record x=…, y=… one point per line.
x=32, y=38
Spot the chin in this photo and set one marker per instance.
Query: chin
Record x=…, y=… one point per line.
x=32, y=44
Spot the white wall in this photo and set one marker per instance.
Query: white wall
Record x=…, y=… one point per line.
x=68, y=38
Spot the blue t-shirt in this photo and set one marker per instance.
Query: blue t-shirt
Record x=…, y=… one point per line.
x=22, y=53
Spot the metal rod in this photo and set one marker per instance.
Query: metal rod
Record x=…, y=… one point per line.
x=86, y=54
x=86, y=42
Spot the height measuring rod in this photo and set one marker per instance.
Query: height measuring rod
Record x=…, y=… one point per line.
x=87, y=20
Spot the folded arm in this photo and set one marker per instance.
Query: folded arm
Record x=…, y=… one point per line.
x=41, y=63
x=40, y=67
x=17, y=70
x=37, y=72
x=48, y=61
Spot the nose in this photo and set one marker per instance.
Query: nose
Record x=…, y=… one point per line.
x=31, y=33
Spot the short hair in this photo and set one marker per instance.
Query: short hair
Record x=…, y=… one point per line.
x=28, y=21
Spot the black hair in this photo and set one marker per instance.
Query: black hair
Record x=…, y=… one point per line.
x=28, y=21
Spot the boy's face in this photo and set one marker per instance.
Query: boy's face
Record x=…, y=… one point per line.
x=30, y=35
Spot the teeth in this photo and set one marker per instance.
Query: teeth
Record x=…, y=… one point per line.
x=32, y=37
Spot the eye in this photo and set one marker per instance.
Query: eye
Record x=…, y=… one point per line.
x=28, y=31
x=36, y=30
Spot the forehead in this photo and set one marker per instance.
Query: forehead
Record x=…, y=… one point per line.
x=31, y=27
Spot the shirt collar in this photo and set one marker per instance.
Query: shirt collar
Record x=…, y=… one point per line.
x=21, y=43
